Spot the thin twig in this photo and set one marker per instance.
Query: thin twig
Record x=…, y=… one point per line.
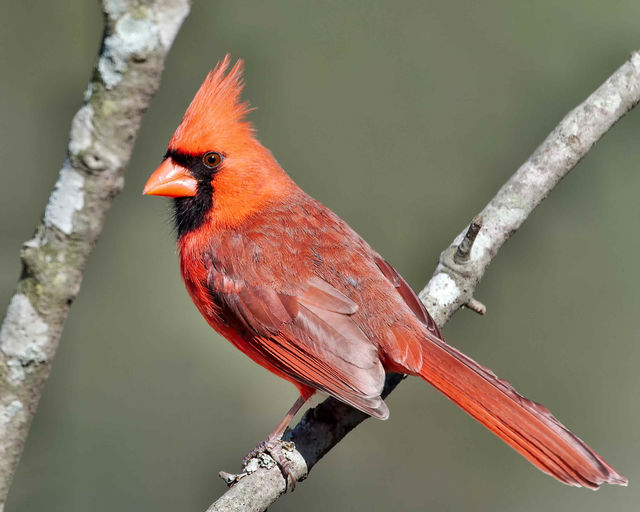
x=453, y=283
x=463, y=252
x=137, y=37
x=476, y=306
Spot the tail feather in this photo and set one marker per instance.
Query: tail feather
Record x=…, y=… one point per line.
x=524, y=425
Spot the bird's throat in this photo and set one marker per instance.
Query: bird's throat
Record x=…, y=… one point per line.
x=190, y=213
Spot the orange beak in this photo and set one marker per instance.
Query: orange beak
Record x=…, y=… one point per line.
x=171, y=180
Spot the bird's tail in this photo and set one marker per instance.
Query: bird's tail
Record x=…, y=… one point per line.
x=526, y=426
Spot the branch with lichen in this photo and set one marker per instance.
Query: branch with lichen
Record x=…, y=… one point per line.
x=137, y=38
x=457, y=274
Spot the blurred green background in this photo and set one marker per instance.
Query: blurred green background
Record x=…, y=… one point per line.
x=405, y=118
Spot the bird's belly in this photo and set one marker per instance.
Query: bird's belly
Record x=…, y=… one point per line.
x=213, y=313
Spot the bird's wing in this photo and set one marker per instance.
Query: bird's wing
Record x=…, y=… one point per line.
x=310, y=336
x=408, y=295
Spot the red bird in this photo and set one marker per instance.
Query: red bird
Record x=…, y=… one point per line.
x=290, y=284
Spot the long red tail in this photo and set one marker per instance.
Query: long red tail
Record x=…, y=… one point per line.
x=524, y=425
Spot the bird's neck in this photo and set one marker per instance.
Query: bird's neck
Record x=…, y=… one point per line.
x=237, y=196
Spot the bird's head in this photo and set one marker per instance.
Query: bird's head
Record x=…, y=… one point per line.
x=215, y=168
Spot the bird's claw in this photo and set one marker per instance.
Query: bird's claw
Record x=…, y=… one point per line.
x=274, y=448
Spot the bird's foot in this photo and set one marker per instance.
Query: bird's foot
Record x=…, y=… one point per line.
x=274, y=451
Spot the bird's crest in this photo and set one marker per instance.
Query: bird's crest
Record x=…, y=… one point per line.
x=216, y=113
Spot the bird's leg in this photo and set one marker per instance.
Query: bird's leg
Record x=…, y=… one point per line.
x=273, y=445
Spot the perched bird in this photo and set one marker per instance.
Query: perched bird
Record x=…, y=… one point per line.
x=290, y=284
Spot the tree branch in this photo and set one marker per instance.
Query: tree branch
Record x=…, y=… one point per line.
x=459, y=270
x=137, y=37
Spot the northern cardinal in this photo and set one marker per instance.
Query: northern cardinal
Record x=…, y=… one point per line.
x=296, y=289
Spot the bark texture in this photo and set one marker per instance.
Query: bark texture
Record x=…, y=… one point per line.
x=136, y=40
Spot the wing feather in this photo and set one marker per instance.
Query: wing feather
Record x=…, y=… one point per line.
x=311, y=336
x=408, y=295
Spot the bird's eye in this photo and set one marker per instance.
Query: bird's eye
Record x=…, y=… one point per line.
x=212, y=159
